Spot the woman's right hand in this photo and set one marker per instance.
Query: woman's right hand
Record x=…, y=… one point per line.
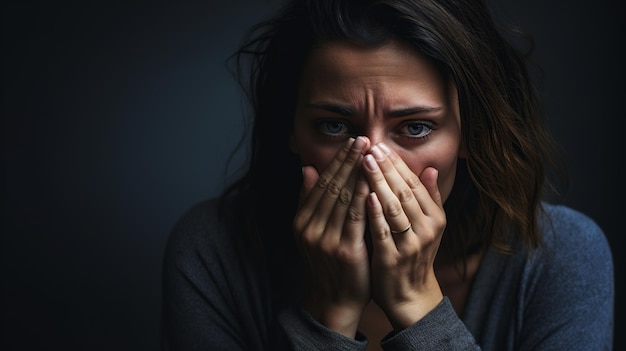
x=330, y=231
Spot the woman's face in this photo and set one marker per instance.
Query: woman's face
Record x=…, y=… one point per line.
x=390, y=94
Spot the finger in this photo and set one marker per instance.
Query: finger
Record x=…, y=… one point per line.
x=399, y=185
x=427, y=202
x=322, y=182
x=383, y=244
x=312, y=194
x=355, y=219
x=333, y=186
x=392, y=208
x=430, y=221
x=342, y=205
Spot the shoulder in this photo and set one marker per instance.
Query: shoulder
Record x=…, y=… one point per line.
x=565, y=228
x=213, y=291
x=566, y=291
x=575, y=250
x=197, y=224
x=200, y=235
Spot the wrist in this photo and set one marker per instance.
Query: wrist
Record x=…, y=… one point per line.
x=403, y=314
x=342, y=319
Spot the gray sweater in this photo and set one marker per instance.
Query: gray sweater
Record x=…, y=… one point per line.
x=216, y=296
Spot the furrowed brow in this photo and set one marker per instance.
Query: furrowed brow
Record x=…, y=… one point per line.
x=415, y=111
x=342, y=110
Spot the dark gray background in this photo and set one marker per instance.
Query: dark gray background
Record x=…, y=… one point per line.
x=118, y=117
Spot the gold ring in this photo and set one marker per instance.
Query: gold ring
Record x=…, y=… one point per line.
x=408, y=227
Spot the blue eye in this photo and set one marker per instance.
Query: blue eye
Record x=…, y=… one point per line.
x=417, y=129
x=332, y=127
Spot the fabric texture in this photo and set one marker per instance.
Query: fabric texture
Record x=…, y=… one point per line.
x=217, y=296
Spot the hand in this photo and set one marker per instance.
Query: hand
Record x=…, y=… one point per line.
x=403, y=279
x=330, y=232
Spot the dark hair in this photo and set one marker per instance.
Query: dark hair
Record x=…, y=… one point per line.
x=496, y=197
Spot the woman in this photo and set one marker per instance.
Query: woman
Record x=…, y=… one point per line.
x=395, y=197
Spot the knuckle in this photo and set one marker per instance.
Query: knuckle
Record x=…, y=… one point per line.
x=333, y=188
x=432, y=235
x=388, y=262
x=394, y=209
x=323, y=181
x=440, y=221
x=308, y=238
x=427, y=235
x=361, y=192
x=354, y=216
x=345, y=196
x=327, y=246
x=414, y=182
x=405, y=194
x=382, y=233
x=344, y=253
x=441, y=224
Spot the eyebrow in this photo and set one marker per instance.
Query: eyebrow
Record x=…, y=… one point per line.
x=348, y=111
x=340, y=109
x=415, y=111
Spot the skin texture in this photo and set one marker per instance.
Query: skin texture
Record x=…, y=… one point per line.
x=378, y=132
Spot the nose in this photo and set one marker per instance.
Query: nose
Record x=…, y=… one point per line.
x=375, y=135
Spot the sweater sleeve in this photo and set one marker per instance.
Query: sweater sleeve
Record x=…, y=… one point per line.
x=567, y=292
x=440, y=329
x=305, y=333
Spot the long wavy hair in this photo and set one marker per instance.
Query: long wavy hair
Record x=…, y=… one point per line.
x=500, y=184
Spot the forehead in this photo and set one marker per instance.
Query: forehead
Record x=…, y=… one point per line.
x=390, y=56
x=341, y=68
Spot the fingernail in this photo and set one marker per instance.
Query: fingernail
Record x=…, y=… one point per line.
x=375, y=150
x=358, y=143
x=370, y=162
x=384, y=148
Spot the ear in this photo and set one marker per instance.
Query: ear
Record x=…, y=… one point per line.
x=293, y=145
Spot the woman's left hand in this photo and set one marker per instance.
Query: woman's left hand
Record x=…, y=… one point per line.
x=406, y=220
